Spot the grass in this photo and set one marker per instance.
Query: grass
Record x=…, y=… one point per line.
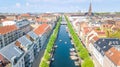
x=46, y=57
x=82, y=51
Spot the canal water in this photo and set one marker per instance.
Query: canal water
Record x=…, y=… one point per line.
x=62, y=52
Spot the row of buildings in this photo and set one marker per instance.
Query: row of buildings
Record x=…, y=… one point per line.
x=21, y=40
x=104, y=50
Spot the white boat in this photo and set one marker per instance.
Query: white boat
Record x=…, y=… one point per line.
x=76, y=63
x=73, y=53
x=65, y=42
x=72, y=49
x=55, y=46
x=60, y=40
x=74, y=57
x=52, y=59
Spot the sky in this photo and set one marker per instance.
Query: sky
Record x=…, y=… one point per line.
x=39, y=6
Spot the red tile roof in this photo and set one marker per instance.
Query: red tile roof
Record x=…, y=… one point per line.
x=7, y=29
x=25, y=15
x=42, y=29
x=114, y=55
x=101, y=33
x=96, y=38
x=86, y=30
x=41, y=20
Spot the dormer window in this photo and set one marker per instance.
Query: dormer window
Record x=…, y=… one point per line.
x=99, y=42
x=104, y=47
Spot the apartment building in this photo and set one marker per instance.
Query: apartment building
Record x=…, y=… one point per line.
x=27, y=46
x=102, y=45
x=9, y=34
x=35, y=39
x=43, y=31
x=24, y=26
x=11, y=56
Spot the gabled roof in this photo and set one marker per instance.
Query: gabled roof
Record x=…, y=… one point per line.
x=25, y=42
x=42, y=29
x=7, y=29
x=11, y=52
x=114, y=55
x=32, y=34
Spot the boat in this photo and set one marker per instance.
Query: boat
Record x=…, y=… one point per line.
x=77, y=63
x=73, y=53
x=72, y=49
x=60, y=40
x=52, y=59
x=55, y=46
x=74, y=57
x=65, y=42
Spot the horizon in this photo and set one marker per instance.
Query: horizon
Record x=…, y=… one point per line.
x=54, y=6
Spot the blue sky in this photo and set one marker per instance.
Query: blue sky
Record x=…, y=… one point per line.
x=23, y=6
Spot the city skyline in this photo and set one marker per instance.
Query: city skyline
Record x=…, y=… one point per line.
x=23, y=6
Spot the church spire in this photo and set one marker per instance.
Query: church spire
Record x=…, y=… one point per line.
x=90, y=10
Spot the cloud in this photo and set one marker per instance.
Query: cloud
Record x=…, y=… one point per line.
x=27, y=4
x=18, y=4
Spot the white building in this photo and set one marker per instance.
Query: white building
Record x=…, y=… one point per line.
x=6, y=23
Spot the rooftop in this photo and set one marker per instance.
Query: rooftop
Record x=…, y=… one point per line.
x=7, y=29
x=104, y=44
x=11, y=52
x=42, y=29
x=114, y=55
x=25, y=42
x=32, y=34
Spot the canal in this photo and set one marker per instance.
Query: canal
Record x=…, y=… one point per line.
x=62, y=52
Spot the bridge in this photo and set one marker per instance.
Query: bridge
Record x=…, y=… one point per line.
x=63, y=23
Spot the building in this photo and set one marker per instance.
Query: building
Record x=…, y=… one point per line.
x=102, y=45
x=8, y=34
x=27, y=46
x=43, y=31
x=35, y=39
x=24, y=26
x=6, y=23
x=112, y=58
x=11, y=56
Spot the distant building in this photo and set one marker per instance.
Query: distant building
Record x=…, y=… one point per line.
x=5, y=23
x=89, y=11
x=24, y=26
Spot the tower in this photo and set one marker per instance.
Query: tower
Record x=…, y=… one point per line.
x=90, y=10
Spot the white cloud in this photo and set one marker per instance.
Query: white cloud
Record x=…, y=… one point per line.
x=18, y=4
x=27, y=4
